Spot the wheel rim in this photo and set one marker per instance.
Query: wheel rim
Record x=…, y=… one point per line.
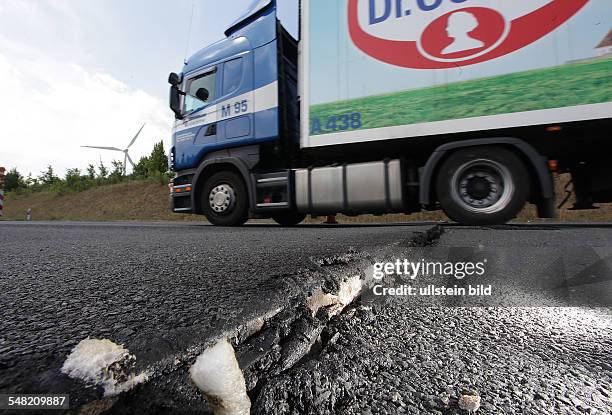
x=482, y=186
x=222, y=198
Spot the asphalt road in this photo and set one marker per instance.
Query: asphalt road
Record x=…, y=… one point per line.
x=550, y=352
x=162, y=289
x=157, y=288
x=397, y=360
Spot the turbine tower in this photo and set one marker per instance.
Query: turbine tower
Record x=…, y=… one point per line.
x=126, y=155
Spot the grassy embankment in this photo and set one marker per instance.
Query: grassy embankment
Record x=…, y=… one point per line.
x=148, y=201
x=135, y=200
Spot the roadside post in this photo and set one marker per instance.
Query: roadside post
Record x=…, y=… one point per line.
x=2, y=172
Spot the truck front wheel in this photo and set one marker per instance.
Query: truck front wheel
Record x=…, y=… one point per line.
x=482, y=186
x=225, y=199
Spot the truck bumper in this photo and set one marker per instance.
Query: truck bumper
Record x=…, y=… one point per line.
x=180, y=194
x=180, y=204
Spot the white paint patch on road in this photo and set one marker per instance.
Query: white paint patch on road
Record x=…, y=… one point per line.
x=217, y=374
x=103, y=363
x=348, y=292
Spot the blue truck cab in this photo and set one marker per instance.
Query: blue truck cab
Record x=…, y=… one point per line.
x=235, y=104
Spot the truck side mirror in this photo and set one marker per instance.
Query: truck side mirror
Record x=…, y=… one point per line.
x=202, y=94
x=175, y=102
x=174, y=79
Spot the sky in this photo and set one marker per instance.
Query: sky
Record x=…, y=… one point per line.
x=340, y=71
x=78, y=72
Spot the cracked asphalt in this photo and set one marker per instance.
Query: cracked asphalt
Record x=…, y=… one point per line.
x=387, y=360
x=157, y=288
x=162, y=289
x=404, y=355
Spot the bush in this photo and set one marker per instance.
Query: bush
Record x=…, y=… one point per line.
x=14, y=181
x=154, y=167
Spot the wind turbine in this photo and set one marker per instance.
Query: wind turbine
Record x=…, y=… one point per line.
x=126, y=156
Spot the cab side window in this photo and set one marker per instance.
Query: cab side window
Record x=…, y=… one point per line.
x=206, y=82
x=232, y=76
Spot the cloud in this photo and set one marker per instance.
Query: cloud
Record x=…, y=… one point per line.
x=50, y=106
x=49, y=109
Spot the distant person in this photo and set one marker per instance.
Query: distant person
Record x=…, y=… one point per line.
x=29, y=214
x=460, y=25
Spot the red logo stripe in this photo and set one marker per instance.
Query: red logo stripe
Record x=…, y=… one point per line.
x=523, y=31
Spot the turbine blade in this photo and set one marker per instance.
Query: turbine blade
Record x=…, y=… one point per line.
x=104, y=148
x=129, y=159
x=136, y=136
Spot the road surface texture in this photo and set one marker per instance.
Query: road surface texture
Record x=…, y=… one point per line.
x=159, y=289
x=167, y=291
x=415, y=356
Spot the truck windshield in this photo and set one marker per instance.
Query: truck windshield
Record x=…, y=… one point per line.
x=208, y=81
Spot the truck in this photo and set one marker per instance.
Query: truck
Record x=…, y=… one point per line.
x=396, y=106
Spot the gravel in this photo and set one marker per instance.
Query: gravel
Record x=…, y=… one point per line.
x=388, y=360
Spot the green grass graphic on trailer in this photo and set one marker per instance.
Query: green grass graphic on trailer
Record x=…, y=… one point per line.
x=563, y=86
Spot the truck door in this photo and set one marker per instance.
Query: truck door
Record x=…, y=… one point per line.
x=197, y=132
x=235, y=109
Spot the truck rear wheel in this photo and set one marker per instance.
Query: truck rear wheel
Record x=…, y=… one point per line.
x=482, y=186
x=225, y=199
x=289, y=218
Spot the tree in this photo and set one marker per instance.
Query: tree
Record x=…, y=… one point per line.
x=73, y=177
x=158, y=160
x=118, y=169
x=141, y=169
x=91, y=171
x=13, y=180
x=48, y=177
x=103, y=171
x=30, y=181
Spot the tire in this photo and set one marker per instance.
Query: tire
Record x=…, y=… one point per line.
x=225, y=200
x=482, y=186
x=289, y=218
